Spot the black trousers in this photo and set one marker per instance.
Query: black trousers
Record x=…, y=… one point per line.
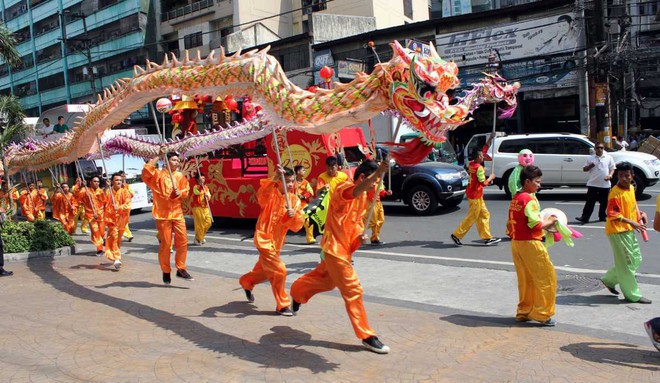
x=2, y=253
x=594, y=195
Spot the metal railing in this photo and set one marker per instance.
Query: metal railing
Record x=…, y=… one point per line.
x=186, y=10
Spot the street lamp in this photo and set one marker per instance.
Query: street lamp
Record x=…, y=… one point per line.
x=86, y=42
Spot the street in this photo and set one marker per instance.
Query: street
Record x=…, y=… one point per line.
x=446, y=312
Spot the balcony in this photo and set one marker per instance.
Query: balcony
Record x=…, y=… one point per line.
x=77, y=90
x=188, y=9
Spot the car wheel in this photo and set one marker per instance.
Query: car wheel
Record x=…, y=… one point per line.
x=451, y=202
x=422, y=200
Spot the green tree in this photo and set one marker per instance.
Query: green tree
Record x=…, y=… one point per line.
x=8, y=50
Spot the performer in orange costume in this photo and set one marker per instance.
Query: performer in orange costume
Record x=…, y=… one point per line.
x=39, y=197
x=127, y=213
x=344, y=233
x=168, y=213
x=273, y=223
x=80, y=212
x=117, y=203
x=200, y=209
x=305, y=193
x=27, y=203
x=8, y=199
x=64, y=206
x=93, y=200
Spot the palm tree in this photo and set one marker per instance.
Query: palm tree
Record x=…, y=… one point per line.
x=12, y=126
x=8, y=50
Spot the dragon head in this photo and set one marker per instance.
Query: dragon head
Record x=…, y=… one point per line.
x=418, y=91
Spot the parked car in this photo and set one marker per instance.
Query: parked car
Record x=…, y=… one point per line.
x=425, y=185
x=441, y=152
x=561, y=157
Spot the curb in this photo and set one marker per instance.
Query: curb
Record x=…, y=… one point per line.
x=61, y=252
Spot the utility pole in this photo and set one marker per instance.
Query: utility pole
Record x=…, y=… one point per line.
x=86, y=41
x=583, y=76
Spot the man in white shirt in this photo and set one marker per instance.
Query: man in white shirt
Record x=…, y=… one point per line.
x=600, y=166
x=46, y=129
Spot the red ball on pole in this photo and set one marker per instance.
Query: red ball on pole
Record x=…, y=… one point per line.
x=326, y=73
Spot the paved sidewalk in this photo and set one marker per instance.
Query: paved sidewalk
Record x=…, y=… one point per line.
x=73, y=320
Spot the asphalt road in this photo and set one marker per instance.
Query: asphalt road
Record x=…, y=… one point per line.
x=411, y=238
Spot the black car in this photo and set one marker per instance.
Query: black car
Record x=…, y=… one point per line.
x=426, y=184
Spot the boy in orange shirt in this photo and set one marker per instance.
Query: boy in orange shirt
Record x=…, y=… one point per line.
x=93, y=200
x=118, y=202
x=168, y=212
x=200, y=209
x=305, y=193
x=273, y=223
x=39, y=197
x=344, y=233
x=80, y=211
x=477, y=210
x=537, y=280
x=27, y=203
x=63, y=204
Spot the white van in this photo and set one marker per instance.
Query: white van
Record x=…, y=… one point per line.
x=561, y=157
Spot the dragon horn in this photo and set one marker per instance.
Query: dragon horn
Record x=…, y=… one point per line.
x=434, y=53
x=175, y=60
x=166, y=61
x=187, y=60
x=138, y=70
x=399, y=51
x=237, y=54
x=210, y=57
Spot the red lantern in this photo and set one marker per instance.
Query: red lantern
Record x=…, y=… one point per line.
x=177, y=118
x=231, y=104
x=326, y=73
x=313, y=89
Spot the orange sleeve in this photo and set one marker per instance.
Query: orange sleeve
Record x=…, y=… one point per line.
x=296, y=222
x=184, y=187
x=266, y=190
x=614, y=209
x=150, y=176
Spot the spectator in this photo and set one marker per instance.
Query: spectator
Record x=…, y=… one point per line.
x=61, y=127
x=45, y=130
x=600, y=166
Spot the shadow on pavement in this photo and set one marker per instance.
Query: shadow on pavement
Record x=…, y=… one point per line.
x=239, y=309
x=589, y=300
x=618, y=354
x=302, y=267
x=195, y=332
x=422, y=244
x=285, y=335
x=140, y=285
x=480, y=321
x=93, y=267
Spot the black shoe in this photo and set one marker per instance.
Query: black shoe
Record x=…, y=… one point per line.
x=249, y=295
x=644, y=301
x=184, y=274
x=373, y=344
x=612, y=290
x=286, y=311
x=457, y=241
x=296, y=307
x=602, y=219
x=167, y=279
x=582, y=220
x=377, y=243
x=492, y=241
x=100, y=253
x=130, y=239
x=6, y=273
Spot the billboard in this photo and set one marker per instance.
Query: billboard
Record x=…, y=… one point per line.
x=558, y=34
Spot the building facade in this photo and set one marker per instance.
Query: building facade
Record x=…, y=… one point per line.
x=72, y=48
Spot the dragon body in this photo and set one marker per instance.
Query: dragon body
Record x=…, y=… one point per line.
x=413, y=85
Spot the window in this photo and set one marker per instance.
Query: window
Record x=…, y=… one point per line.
x=572, y=146
x=192, y=40
x=545, y=146
x=513, y=146
x=408, y=8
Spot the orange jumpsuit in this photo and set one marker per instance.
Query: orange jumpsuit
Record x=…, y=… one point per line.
x=39, y=197
x=127, y=213
x=97, y=225
x=7, y=201
x=343, y=231
x=168, y=213
x=27, y=205
x=62, y=211
x=306, y=194
x=80, y=212
x=116, y=220
x=269, y=236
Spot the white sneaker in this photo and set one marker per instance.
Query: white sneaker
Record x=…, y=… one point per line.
x=203, y=241
x=198, y=243
x=117, y=264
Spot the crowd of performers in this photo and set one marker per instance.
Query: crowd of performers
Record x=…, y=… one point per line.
x=352, y=202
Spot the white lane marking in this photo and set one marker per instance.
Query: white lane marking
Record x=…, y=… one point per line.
x=582, y=203
x=453, y=259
